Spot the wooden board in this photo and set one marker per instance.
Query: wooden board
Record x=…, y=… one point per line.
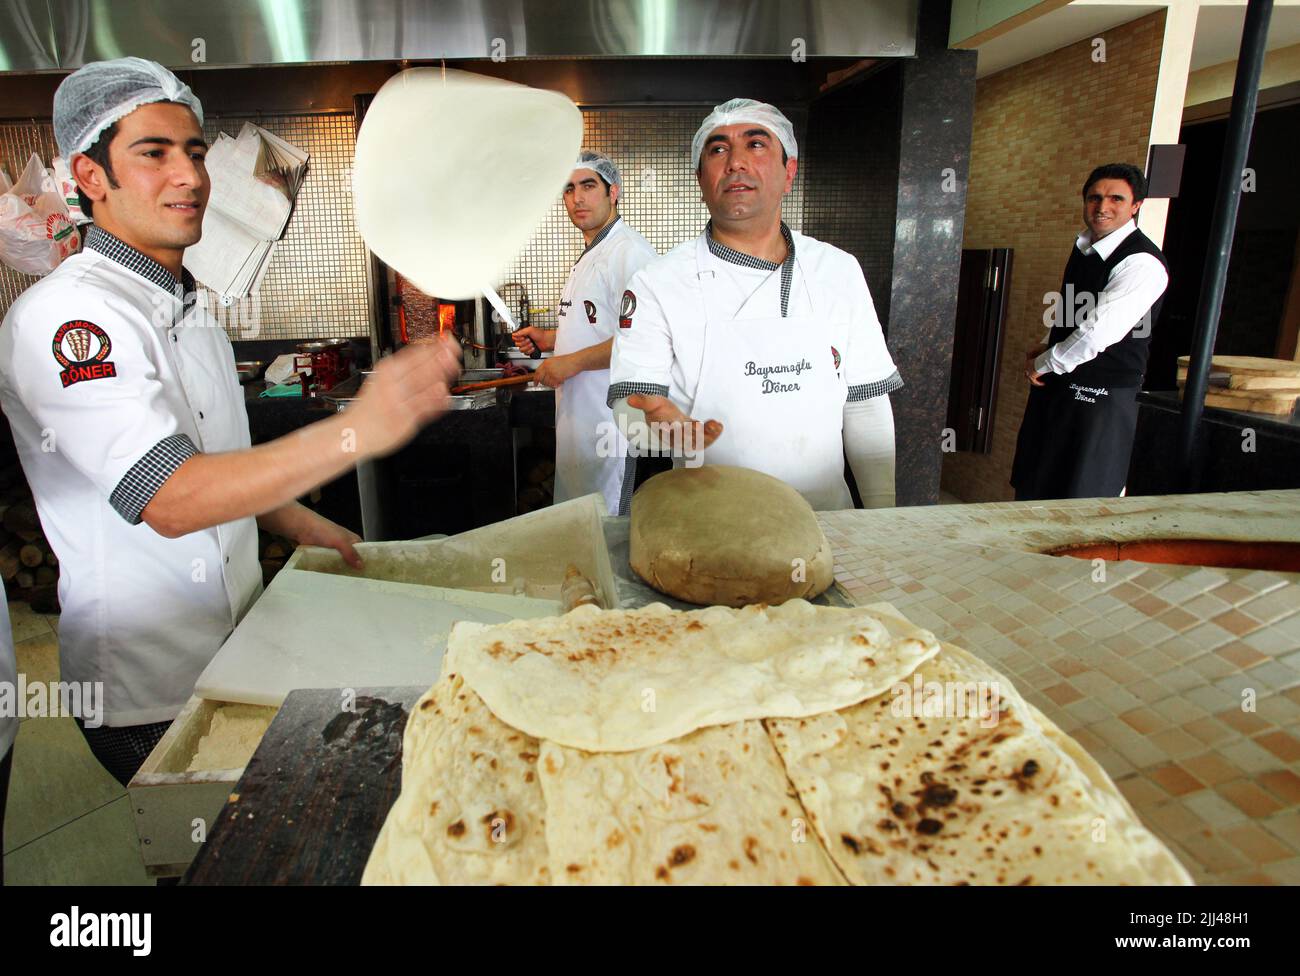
x=1277, y=406
x=311, y=801
x=1238, y=381
x=1249, y=365
x=1282, y=396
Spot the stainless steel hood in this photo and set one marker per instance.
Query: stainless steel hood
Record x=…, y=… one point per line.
x=40, y=35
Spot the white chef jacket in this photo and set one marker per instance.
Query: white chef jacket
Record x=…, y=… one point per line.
x=9, y=681
x=588, y=316
x=660, y=343
x=110, y=381
x=1135, y=284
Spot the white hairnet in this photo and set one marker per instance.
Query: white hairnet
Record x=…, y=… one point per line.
x=98, y=94
x=738, y=110
x=599, y=163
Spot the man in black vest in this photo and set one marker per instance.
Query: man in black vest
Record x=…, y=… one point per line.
x=1077, y=435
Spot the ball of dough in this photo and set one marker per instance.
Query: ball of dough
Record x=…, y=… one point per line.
x=725, y=535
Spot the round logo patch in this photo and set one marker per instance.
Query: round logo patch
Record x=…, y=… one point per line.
x=591, y=311
x=626, y=309
x=82, y=349
x=836, y=353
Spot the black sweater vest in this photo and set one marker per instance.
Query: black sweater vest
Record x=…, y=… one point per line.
x=1123, y=363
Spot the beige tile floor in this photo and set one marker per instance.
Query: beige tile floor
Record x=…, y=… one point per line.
x=66, y=821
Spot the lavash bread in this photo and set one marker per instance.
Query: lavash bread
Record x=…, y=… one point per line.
x=900, y=795
x=617, y=680
x=471, y=809
x=839, y=793
x=721, y=535
x=713, y=807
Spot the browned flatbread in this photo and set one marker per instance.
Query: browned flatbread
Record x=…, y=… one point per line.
x=964, y=784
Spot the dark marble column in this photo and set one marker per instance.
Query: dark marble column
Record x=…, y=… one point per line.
x=936, y=110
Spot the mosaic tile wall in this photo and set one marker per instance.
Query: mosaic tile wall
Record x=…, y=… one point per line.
x=316, y=283
x=660, y=197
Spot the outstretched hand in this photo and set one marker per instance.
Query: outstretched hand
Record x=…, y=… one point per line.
x=682, y=432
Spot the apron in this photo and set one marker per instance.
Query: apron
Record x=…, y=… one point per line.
x=584, y=423
x=1075, y=441
x=795, y=430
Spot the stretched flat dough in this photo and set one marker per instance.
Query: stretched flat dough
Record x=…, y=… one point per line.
x=963, y=797
x=618, y=680
x=454, y=171
x=714, y=807
x=726, y=535
x=471, y=808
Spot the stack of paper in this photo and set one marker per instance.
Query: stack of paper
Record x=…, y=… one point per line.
x=255, y=180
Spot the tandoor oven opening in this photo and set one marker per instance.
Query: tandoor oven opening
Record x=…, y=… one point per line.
x=1283, y=557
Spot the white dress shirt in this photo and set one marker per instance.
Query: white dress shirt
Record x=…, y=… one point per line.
x=1135, y=284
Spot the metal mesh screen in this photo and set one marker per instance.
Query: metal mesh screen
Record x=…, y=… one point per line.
x=660, y=196
x=853, y=173
x=315, y=285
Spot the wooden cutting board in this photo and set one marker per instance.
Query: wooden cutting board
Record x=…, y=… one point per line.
x=1236, y=381
x=1247, y=366
x=1278, y=406
x=1276, y=402
x=310, y=803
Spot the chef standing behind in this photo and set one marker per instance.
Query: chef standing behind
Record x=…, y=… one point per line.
x=763, y=340
x=587, y=458
x=130, y=424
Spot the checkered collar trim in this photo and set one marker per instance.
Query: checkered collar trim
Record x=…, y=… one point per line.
x=102, y=242
x=604, y=232
x=725, y=253
x=748, y=260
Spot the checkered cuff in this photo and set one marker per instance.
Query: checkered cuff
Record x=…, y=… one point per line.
x=141, y=483
x=868, y=391
x=618, y=391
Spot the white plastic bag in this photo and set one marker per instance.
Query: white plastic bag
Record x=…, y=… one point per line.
x=36, y=230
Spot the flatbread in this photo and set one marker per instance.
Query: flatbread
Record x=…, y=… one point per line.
x=984, y=797
x=618, y=680
x=721, y=535
x=712, y=808
x=471, y=808
x=431, y=133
